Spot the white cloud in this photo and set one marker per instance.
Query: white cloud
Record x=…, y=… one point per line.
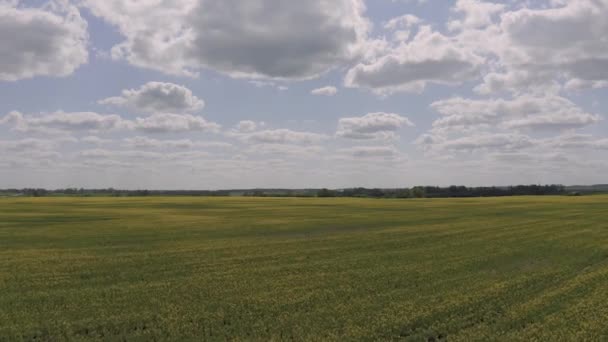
x=274, y=150
x=90, y=121
x=140, y=142
x=488, y=142
x=563, y=42
x=522, y=112
x=371, y=126
x=498, y=125
x=476, y=14
x=271, y=84
x=243, y=38
x=577, y=84
x=283, y=136
x=430, y=57
x=576, y=141
x=145, y=142
x=29, y=144
x=246, y=126
x=127, y=155
x=403, y=22
x=158, y=97
x=402, y=26
x=62, y=121
x=561, y=120
x=47, y=41
x=29, y=154
x=520, y=49
x=165, y=123
x=520, y=81
x=94, y=140
x=325, y=91
x=371, y=151
x=14, y=118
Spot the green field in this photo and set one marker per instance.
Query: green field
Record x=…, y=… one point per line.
x=145, y=269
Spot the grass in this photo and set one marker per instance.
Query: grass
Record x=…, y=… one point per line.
x=145, y=269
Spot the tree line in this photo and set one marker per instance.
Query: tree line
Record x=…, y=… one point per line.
x=415, y=192
x=447, y=192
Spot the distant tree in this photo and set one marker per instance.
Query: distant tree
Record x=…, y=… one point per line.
x=403, y=193
x=377, y=193
x=326, y=193
x=418, y=192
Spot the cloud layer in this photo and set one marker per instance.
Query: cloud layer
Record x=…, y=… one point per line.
x=473, y=91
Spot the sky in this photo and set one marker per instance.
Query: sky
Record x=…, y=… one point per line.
x=210, y=94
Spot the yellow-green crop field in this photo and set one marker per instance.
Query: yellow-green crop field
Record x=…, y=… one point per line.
x=196, y=269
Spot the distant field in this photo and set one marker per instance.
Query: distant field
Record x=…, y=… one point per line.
x=143, y=269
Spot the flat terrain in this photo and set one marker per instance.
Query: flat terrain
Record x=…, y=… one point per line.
x=144, y=269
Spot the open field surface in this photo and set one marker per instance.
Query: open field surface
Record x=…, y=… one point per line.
x=145, y=269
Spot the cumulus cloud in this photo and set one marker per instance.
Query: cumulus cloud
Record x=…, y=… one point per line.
x=371, y=126
x=561, y=120
x=14, y=118
x=157, y=97
x=405, y=21
x=429, y=57
x=565, y=40
x=576, y=141
x=576, y=84
x=270, y=84
x=140, y=142
x=283, y=150
x=243, y=38
x=95, y=140
x=401, y=27
x=371, y=151
x=90, y=121
x=127, y=155
x=62, y=121
x=246, y=126
x=521, y=80
x=486, y=141
x=29, y=144
x=166, y=123
x=520, y=49
x=27, y=154
x=475, y=14
x=508, y=125
x=325, y=91
x=47, y=41
x=283, y=136
x=549, y=112
x=145, y=142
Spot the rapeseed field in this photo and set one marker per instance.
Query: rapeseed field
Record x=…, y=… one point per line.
x=263, y=269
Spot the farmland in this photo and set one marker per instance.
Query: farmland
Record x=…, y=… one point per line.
x=192, y=268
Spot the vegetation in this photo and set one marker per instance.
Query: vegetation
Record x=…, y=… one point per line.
x=415, y=192
x=453, y=191
x=185, y=268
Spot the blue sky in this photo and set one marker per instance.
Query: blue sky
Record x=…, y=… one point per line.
x=266, y=93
